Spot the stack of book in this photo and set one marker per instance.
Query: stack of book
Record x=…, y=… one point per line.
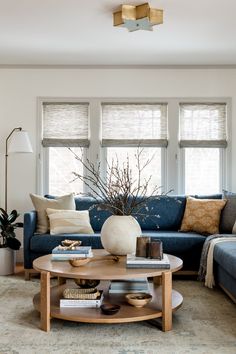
x=86, y=303
x=61, y=254
x=142, y=262
x=129, y=286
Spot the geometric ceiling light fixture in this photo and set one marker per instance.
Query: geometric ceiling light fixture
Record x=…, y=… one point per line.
x=140, y=17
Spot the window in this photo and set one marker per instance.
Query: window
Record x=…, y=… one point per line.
x=153, y=169
x=202, y=170
x=62, y=164
x=65, y=125
x=128, y=126
x=186, y=141
x=203, y=139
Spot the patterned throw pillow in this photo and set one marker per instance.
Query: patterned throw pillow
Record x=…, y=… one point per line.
x=69, y=222
x=202, y=215
x=228, y=215
x=41, y=204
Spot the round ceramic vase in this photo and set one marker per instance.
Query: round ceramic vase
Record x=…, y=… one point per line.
x=119, y=233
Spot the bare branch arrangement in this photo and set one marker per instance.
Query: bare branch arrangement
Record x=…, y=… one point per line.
x=121, y=192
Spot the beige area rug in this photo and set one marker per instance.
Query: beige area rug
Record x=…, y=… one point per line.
x=206, y=323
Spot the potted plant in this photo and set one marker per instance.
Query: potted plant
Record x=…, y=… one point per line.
x=123, y=193
x=8, y=241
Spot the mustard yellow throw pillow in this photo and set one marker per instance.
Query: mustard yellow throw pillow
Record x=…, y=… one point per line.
x=41, y=204
x=202, y=215
x=69, y=222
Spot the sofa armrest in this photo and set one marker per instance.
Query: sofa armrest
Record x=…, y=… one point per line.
x=30, y=220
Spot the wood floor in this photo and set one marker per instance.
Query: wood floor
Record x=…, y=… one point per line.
x=19, y=269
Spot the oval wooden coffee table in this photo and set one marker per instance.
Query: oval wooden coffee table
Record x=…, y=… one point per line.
x=165, y=300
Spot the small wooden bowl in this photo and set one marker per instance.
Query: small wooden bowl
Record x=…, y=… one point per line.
x=110, y=309
x=138, y=299
x=78, y=262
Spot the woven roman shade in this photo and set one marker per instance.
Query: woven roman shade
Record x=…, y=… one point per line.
x=134, y=124
x=203, y=125
x=65, y=124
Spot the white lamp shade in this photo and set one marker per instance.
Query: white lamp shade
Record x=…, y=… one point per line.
x=19, y=142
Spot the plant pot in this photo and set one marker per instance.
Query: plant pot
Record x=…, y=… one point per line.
x=7, y=261
x=119, y=233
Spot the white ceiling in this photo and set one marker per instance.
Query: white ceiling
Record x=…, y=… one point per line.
x=80, y=32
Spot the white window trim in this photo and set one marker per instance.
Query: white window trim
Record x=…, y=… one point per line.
x=225, y=154
x=172, y=156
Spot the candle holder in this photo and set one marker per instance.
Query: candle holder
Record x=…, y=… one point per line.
x=155, y=249
x=141, y=246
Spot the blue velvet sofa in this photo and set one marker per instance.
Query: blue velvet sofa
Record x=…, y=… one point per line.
x=225, y=267
x=160, y=218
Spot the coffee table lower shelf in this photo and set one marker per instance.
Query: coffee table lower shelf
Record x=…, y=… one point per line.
x=127, y=312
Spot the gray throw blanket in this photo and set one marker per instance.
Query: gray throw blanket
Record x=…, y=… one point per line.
x=205, y=248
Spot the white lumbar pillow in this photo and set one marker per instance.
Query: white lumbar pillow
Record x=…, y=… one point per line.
x=69, y=222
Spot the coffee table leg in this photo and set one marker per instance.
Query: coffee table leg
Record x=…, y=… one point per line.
x=166, y=301
x=61, y=280
x=45, y=301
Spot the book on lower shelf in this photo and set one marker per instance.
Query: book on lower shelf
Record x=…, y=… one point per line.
x=129, y=286
x=92, y=303
x=142, y=262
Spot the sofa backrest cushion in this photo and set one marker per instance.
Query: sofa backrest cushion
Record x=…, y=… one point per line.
x=160, y=213
x=97, y=216
x=228, y=215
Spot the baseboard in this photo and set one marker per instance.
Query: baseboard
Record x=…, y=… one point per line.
x=228, y=293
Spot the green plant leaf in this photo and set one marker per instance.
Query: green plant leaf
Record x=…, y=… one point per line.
x=3, y=217
x=13, y=243
x=8, y=229
x=18, y=224
x=13, y=216
x=4, y=212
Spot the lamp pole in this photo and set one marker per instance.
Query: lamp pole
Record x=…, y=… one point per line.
x=6, y=156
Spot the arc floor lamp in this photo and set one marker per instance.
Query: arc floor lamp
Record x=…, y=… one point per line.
x=17, y=141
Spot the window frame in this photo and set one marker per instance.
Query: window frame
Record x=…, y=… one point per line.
x=225, y=153
x=172, y=173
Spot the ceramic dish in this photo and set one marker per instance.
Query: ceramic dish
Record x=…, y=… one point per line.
x=138, y=299
x=109, y=309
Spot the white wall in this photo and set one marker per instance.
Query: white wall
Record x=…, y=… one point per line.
x=20, y=87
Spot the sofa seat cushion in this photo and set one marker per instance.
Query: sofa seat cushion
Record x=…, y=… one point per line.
x=173, y=242
x=177, y=242
x=45, y=243
x=225, y=256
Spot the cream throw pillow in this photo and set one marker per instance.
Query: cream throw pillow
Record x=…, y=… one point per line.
x=202, y=215
x=69, y=222
x=42, y=203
